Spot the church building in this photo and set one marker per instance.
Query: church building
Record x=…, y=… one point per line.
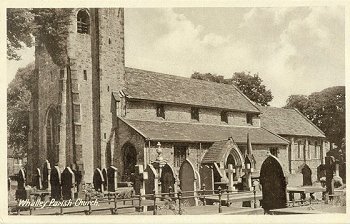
x=96, y=112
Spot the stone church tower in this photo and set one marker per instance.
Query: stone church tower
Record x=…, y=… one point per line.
x=73, y=107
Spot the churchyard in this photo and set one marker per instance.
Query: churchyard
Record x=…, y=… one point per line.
x=156, y=191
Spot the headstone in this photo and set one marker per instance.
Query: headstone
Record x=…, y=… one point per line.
x=21, y=184
x=98, y=180
x=46, y=175
x=139, y=180
x=37, y=179
x=207, y=177
x=55, y=182
x=151, y=184
x=68, y=184
x=105, y=179
x=112, y=179
x=274, y=186
x=188, y=180
x=167, y=179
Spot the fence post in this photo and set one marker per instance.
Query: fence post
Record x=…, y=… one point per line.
x=140, y=201
x=220, y=193
x=204, y=201
x=115, y=204
x=179, y=194
x=254, y=191
x=228, y=198
x=154, y=203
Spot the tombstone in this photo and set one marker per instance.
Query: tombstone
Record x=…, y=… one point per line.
x=167, y=179
x=207, y=177
x=231, y=171
x=46, y=175
x=187, y=176
x=112, y=179
x=274, y=186
x=98, y=180
x=105, y=179
x=55, y=182
x=37, y=179
x=68, y=183
x=306, y=171
x=21, y=192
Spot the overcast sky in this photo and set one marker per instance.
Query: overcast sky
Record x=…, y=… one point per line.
x=295, y=50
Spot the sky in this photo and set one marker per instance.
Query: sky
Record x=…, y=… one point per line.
x=295, y=50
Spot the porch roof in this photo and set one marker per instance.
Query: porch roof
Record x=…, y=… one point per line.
x=199, y=132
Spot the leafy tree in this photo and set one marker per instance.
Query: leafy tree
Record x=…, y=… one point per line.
x=250, y=85
x=18, y=106
x=326, y=109
x=49, y=26
x=19, y=31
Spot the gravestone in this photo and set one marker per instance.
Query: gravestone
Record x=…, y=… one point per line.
x=207, y=177
x=151, y=184
x=37, y=179
x=21, y=184
x=274, y=186
x=98, y=180
x=188, y=180
x=68, y=184
x=46, y=175
x=55, y=182
x=105, y=179
x=167, y=179
x=112, y=179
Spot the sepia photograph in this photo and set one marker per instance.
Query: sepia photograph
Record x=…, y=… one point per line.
x=176, y=111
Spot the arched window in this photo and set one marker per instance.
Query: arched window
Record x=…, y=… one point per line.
x=83, y=22
x=52, y=136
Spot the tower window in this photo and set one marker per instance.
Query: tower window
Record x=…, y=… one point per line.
x=107, y=88
x=85, y=75
x=194, y=113
x=109, y=40
x=83, y=22
x=224, y=116
x=160, y=111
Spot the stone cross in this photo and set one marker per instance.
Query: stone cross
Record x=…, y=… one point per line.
x=230, y=170
x=140, y=178
x=248, y=172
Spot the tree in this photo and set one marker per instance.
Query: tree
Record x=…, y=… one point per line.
x=299, y=102
x=19, y=31
x=18, y=107
x=49, y=26
x=250, y=85
x=326, y=109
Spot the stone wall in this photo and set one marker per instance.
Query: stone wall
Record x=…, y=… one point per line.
x=125, y=134
x=144, y=110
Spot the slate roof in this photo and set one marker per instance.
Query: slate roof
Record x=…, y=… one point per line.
x=288, y=122
x=198, y=132
x=147, y=85
x=215, y=152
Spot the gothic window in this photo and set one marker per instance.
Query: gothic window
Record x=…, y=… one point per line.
x=316, y=150
x=194, y=113
x=83, y=22
x=299, y=150
x=224, y=116
x=179, y=155
x=160, y=111
x=52, y=136
x=85, y=75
